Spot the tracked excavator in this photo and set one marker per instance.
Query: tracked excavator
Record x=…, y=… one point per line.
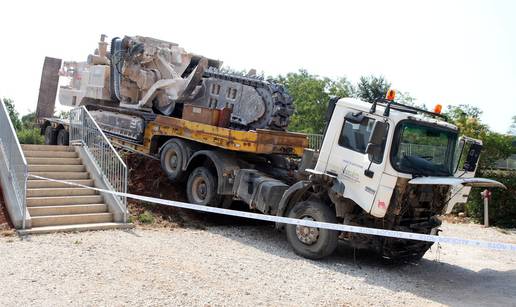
x=140, y=77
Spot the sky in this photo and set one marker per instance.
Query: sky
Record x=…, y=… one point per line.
x=446, y=52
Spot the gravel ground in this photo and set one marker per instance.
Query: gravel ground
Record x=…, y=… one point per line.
x=243, y=265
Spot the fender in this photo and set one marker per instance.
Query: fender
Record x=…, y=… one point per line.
x=291, y=195
x=225, y=164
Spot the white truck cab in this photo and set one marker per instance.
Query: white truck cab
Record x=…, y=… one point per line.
x=370, y=149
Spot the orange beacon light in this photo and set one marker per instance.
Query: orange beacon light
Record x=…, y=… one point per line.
x=391, y=94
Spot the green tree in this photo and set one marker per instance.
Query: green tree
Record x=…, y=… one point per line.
x=311, y=94
x=496, y=146
x=371, y=88
x=512, y=127
x=13, y=114
x=29, y=120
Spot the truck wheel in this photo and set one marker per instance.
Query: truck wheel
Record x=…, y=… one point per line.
x=63, y=137
x=172, y=158
x=201, y=188
x=310, y=242
x=50, y=136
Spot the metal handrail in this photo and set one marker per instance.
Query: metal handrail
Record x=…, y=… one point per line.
x=315, y=140
x=85, y=130
x=14, y=160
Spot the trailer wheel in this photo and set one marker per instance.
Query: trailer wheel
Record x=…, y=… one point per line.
x=63, y=137
x=172, y=158
x=50, y=136
x=310, y=242
x=201, y=188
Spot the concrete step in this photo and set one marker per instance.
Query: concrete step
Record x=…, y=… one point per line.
x=50, y=154
x=68, y=219
x=57, y=168
x=73, y=228
x=39, y=183
x=61, y=175
x=71, y=191
x=64, y=210
x=54, y=161
x=63, y=200
x=31, y=147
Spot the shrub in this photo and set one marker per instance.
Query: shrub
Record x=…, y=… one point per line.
x=30, y=136
x=502, y=205
x=146, y=217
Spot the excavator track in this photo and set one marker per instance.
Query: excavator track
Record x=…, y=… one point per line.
x=278, y=102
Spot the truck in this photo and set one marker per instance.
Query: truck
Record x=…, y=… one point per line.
x=383, y=165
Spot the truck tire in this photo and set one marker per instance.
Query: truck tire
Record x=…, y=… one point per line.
x=309, y=242
x=201, y=188
x=50, y=136
x=63, y=137
x=172, y=158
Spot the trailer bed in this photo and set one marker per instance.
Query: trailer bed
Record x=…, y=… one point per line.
x=259, y=141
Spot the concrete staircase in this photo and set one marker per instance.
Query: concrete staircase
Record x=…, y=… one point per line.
x=54, y=206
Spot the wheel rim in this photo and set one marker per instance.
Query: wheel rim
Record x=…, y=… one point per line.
x=199, y=190
x=172, y=160
x=307, y=235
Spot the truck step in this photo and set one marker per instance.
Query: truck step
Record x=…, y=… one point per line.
x=40, y=184
x=63, y=200
x=67, y=209
x=71, y=191
x=62, y=175
x=67, y=219
x=54, y=161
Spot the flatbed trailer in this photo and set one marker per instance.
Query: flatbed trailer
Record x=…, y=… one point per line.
x=258, y=141
x=158, y=131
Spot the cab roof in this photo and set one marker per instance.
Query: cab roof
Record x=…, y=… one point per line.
x=395, y=115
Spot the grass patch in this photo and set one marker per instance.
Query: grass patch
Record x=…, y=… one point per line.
x=146, y=217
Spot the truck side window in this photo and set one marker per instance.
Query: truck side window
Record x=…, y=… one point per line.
x=355, y=136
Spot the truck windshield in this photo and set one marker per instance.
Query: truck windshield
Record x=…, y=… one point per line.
x=424, y=150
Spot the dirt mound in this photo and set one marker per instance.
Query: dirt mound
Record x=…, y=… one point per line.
x=146, y=178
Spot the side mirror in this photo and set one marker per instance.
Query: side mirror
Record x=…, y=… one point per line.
x=374, y=146
x=472, y=158
x=354, y=118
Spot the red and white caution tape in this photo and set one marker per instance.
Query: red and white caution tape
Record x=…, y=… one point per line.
x=308, y=223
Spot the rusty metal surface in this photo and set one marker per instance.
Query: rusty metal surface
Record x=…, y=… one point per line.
x=260, y=141
x=48, y=87
x=200, y=114
x=204, y=115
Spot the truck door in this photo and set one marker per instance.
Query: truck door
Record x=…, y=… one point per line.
x=349, y=161
x=465, y=167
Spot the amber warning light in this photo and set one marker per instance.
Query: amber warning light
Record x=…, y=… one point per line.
x=438, y=108
x=391, y=94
